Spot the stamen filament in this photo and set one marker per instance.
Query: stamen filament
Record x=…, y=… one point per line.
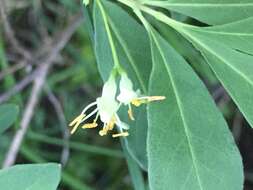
x=89, y=115
x=76, y=122
x=145, y=99
x=89, y=106
x=156, y=98
x=130, y=112
x=96, y=118
x=111, y=124
x=78, y=118
x=122, y=134
x=103, y=131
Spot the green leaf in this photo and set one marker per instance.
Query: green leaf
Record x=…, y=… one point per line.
x=8, y=114
x=30, y=177
x=189, y=144
x=208, y=11
x=237, y=35
x=88, y=23
x=134, y=57
x=186, y=49
x=232, y=68
x=136, y=141
x=134, y=169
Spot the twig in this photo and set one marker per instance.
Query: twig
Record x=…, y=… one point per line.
x=12, y=69
x=37, y=87
x=27, y=116
x=19, y=86
x=10, y=34
x=65, y=132
x=54, y=50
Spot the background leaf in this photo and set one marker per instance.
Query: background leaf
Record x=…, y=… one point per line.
x=209, y=11
x=8, y=114
x=237, y=35
x=232, y=68
x=30, y=177
x=187, y=50
x=189, y=144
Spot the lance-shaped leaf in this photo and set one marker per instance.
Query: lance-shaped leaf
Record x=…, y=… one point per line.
x=233, y=69
x=237, y=35
x=31, y=177
x=8, y=114
x=114, y=27
x=189, y=144
x=208, y=11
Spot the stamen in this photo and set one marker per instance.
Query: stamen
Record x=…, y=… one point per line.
x=130, y=112
x=89, y=106
x=137, y=102
x=111, y=124
x=96, y=118
x=122, y=134
x=89, y=115
x=90, y=125
x=102, y=132
x=76, y=122
x=79, y=117
x=156, y=98
x=145, y=99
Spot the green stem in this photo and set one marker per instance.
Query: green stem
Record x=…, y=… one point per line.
x=158, y=15
x=109, y=34
x=9, y=79
x=75, y=145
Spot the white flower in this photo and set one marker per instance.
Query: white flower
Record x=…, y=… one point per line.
x=106, y=109
x=86, y=2
x=106, y=106
x=129, y=96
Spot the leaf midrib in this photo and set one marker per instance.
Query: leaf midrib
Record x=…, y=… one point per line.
x=178, y=100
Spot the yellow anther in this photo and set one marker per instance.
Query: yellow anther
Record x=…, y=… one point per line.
x=137, y=102
x=155, y=98
x=102, y=132
x=123, y=134
x=90, y=125
x=130, y=114
x=77, y=119
x=143, y=100
x=76, y=122
x=111, y=124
